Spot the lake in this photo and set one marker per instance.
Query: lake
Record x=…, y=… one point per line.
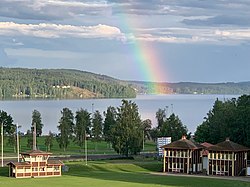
x=191, y=109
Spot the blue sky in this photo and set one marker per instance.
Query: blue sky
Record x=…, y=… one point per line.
x=195, y=40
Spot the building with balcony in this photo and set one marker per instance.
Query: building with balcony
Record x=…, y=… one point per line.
x=35, y=163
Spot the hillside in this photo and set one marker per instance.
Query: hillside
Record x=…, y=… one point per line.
x=192, y=88
x=20, y=83
x=59, y=83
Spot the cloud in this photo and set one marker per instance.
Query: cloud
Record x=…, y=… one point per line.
x=221, y=20
x=50, y=9
x=46, y=30
x=194, y=35
x=164, y=35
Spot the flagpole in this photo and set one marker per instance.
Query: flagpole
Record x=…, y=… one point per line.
x=17, y=142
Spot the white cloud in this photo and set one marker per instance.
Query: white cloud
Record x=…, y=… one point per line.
x=46, y=30
x=239, y=34
x=163, y=35
x=194, y=35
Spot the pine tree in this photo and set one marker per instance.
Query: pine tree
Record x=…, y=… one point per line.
x=65, y=128
x=82, y=127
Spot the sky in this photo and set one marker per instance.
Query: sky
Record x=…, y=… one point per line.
x=143, y=40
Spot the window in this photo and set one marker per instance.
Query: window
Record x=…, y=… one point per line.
x=214, y=167
x=226, y=156
x=56, y=168
x=34, y=169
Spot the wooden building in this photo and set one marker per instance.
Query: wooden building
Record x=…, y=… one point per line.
x=227, y=158
x=182, y=156
x=35, y=163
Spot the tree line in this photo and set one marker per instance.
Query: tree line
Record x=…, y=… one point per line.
x=227, y=119
x=59, y=83
x=123, y=129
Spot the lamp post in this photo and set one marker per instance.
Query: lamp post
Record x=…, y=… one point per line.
x=17, y=142
x=2, y=141
x=143, y=140
x=86, y=149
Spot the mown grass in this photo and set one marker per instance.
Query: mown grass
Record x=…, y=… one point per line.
x=101, y=147
x=117, y=173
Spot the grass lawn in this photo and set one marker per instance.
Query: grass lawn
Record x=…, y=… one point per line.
x=101, y=147
x=117, y=173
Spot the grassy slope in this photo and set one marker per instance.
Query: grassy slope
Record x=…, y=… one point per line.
x=93, y=148
x=115, y=173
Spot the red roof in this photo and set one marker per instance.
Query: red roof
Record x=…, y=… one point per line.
x=36, y=152
x=19, y=163
x=206, y=145
x=54, y=162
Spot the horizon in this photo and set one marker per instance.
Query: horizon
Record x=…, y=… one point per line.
x=153, y=41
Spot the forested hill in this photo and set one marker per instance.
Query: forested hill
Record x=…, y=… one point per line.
x=192, y=88
x=60, y=83
x=18, y=83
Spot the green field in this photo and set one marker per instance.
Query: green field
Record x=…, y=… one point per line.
x=73, y=149
x=117, y=173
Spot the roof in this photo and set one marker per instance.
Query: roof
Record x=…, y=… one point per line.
x=55, y=162
x=206, y=145
x=36, y=152
x=19, y=163
x=228, y=145
x=183, y=143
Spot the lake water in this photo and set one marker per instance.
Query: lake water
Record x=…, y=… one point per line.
x=191, y=109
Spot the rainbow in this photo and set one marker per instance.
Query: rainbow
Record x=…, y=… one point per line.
x=147, y=60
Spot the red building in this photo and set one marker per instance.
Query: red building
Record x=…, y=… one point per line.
x=35, y=164
x=182, y=156
x=227, y=158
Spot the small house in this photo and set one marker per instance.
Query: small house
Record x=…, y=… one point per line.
x=182, y=156
x=35, y=163
x=227, y=158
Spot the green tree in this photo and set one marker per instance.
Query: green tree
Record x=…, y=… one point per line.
x=127, y=133
x=37, y=120
x=154, y=133
x=161, y=117
x=109, y=123
x=82, y=127
x=9, y=129
x=146, y=126
x=219, y=123
x=48, y=142
x=97, y=128
x=173, y=128
x=229, y=118
x=29, y=136
x=241, y=127
x=7, y=122
x=65, y=127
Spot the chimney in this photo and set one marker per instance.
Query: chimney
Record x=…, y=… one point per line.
x=183, y=137
x=34, y=136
